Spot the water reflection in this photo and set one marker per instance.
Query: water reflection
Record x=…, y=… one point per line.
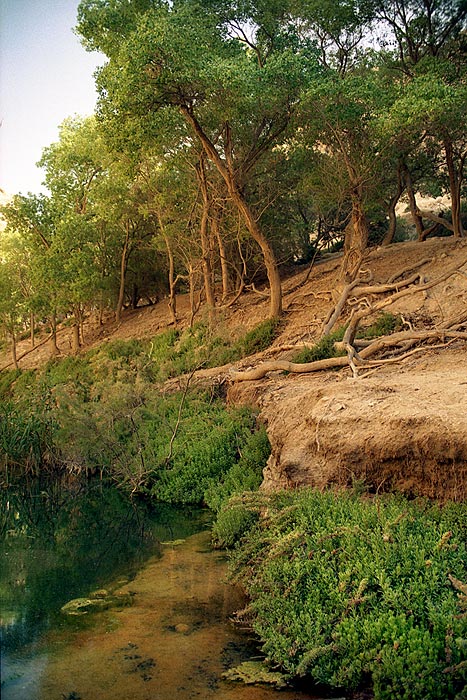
x=60, y=541
x=174, y=641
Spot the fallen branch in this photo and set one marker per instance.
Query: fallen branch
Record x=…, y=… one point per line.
x=286, y=366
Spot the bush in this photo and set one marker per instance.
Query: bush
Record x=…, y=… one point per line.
x=233, y=522
x=385, y=324
x=347, y=590
x=322, y=350
x=246, y=474
x=26, y=438
x=259, y=338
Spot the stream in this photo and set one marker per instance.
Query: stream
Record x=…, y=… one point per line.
x=172, y=639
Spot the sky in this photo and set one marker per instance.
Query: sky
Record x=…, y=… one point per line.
x=45, y=76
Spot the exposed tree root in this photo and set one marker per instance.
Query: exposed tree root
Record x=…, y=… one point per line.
x=353, y=359
x=360, y=354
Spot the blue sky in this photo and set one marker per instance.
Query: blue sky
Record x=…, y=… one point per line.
x=45, y=76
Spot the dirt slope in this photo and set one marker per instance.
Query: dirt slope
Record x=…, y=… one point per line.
x=402, y=425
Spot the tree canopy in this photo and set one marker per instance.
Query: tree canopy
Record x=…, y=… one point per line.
x=233, y=138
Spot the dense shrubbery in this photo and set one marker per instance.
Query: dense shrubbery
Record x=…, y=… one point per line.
x=351, y=591
x=110, y=417
x=27, y=438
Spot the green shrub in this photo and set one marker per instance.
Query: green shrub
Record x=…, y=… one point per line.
x=233, y=521
x=322, y=350
x=124, y=349
x=66, y=370
x=259, y=338
x=7, y=381
x=246, y=474
x=385, y=324
x=348, y=591
x=26, y=437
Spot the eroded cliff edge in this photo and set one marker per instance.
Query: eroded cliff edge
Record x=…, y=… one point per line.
x=403, y=430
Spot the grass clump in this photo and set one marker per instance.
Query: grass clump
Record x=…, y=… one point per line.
x=385, y=324
x=321, y=350
x=366, y=590
x=258, y=338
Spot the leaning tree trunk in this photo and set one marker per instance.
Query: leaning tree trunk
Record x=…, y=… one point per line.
x=204, y=234
x=275, y=285
x=227, y=173
x=123, y=268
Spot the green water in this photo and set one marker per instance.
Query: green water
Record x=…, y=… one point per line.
x=175, y=640
x=59, y=542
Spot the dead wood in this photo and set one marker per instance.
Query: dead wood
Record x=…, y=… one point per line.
x=384, y=288
x=410, y=268
x=286, y=366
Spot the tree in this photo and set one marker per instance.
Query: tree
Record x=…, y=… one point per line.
x=236, y=94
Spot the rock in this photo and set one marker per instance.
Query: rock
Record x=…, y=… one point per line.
x=182, y=628
x=82, y=606
x=251, y=672
x=100, y=593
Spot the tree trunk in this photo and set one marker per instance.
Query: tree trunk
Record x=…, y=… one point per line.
x=54, y=351
x=275, y=286
x=14, y=355
x=391, y=232
x=76, y=339
x=171, y=274
x=76, y=344
x=194, y=305
x=455, y=182
x=414, y=210
x=32, y=335
x=355, y=243
x=228, y=175
x=223, y=258
x=205, y=247
x=123, y=267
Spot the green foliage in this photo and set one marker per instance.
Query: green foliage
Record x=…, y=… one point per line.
x=26, y=437
x=346, y=590
x=259, y=338
x=323, y=349
x=385, y=324
x=233, y=522
x=7, y=381
x=245, y=474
